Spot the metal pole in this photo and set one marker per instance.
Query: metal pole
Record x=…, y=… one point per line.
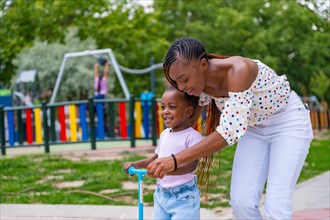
x=2, y=131
x=132, y=121
x=91, y=123
x=152, y=76
x=52, y=124
x=153, y=121
x=20, y=126
x=111, y=119
x=140, y=174
x=119, y=75
x=58, y=80
x=45, y=126
x=140, y=197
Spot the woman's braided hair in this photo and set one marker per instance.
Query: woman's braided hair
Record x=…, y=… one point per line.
x=186, y=48
x=190, y=49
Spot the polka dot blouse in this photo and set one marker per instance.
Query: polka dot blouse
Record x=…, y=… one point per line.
x=268, y=94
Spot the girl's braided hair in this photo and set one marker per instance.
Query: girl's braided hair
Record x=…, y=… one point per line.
x=191, y=49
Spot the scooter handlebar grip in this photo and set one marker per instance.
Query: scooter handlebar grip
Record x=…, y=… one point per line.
x=133, y=171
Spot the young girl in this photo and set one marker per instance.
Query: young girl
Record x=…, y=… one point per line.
x=258, y=110
x=176, y=196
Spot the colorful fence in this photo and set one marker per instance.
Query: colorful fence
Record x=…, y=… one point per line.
x=91, y=121
x=80, y=121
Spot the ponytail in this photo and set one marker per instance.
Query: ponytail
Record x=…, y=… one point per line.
x=206, y=163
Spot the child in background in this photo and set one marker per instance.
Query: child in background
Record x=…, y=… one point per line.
x=177, y=195
x=100, y=80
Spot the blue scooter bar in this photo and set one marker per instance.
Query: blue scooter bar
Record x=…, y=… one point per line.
x=133, y=171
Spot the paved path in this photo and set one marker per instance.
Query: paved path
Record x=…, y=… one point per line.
x=311, y=198
x=310, y=202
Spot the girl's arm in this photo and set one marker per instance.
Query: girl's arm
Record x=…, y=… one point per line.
x=140, y=163
x=209, y=145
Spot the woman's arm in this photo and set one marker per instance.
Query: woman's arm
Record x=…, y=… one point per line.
x=209, y=145
x=185, y=168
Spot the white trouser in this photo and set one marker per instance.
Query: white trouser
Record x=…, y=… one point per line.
x=274, y=151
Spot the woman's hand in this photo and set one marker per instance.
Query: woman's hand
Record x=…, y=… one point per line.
x=160, y=167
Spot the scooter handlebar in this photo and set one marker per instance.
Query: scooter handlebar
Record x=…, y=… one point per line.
x=133, y=171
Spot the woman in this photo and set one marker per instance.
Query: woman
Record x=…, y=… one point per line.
x=258, y=110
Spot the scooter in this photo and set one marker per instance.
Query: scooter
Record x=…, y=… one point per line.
x=140, y=173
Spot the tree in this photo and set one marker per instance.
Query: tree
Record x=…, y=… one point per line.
x=289, y=36
x=134, y=35
x=286, y=35
x=22, y=22
x=320, y=85
x=78, y=79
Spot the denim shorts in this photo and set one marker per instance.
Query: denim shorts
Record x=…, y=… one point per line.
x=181, y=202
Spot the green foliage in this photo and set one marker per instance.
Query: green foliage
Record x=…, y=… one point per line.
x=23, y=22
x=135, y=37
x=109, y=23
x=317, y=159
x=287, y=35
x=320, y=85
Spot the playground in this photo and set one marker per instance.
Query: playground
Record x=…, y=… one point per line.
x=81, y=84
x=36, y=123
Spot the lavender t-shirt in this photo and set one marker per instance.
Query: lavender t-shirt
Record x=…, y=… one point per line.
x=172, y=143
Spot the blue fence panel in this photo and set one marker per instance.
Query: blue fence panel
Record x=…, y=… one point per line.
x=83, y=123
x=11, y=128
x=100, y=121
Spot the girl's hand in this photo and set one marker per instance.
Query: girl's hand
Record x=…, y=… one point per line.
x=127, y=165
x=160, y=167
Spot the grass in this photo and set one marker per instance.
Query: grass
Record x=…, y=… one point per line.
x=34, y=179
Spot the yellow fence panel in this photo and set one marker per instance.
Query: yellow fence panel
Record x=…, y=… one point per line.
x=38, y=126
x=73, y=122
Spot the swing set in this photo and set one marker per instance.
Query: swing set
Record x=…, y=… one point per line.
x=118, y=68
